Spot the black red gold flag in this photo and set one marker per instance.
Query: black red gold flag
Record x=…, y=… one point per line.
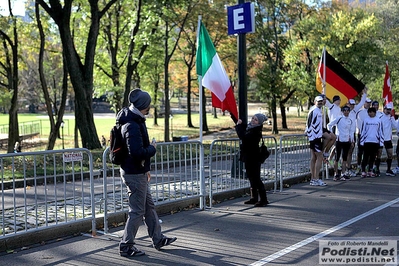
x=338, y=80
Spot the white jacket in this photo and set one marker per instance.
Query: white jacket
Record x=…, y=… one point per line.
x=345, y=128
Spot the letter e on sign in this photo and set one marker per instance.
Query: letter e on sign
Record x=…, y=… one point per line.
x=241, y=18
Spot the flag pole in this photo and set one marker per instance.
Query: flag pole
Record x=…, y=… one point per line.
x=324, y=84
x=324, y=174
x=324, y=70
x=201, y=161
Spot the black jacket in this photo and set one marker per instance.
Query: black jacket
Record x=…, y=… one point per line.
x=134, y=130
x=249, y=142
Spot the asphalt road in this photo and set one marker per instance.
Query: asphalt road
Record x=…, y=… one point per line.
x=287, y=232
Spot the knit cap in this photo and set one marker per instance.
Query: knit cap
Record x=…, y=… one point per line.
x=261, y=118
x=140, y=99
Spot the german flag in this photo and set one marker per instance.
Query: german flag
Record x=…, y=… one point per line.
x=338, y=80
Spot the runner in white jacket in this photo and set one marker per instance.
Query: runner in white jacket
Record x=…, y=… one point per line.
x=371, y=138
x=388, y=124
x=345, y=131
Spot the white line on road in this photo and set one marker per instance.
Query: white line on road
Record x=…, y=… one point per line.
x=322, y=234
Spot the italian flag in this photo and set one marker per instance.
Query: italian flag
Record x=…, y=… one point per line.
x=214, y=77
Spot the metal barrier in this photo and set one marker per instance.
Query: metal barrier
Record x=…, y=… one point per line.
x=227, y=173
x=294, y=157
x=58, y=187
x=37, y=193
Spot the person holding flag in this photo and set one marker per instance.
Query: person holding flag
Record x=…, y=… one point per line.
x=250, y=136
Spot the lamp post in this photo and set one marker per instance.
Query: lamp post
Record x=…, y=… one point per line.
x=62, y=132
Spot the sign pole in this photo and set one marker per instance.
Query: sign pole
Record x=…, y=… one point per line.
x=242, y=75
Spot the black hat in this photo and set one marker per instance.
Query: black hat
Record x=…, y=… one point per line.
x=140, y=99
x=336, y=98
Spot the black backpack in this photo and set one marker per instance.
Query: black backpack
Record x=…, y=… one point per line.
x=117, y=145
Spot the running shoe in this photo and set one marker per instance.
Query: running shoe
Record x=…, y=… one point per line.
x=314, y=182
x=389, y=173
x=370, y=174
x=364, y=174
x=321, y=183
x=165, y=241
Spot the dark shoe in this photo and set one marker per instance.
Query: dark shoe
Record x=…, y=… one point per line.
x=261, y=203
x=132, y=252
x=251, y=201
x=166, y=241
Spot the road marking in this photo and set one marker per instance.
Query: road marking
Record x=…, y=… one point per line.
x=302, y=243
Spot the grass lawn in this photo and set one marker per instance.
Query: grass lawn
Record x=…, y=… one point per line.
x=177, y=126
x=104, y=122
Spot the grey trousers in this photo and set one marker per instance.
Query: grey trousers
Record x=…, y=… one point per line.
x=141, y=208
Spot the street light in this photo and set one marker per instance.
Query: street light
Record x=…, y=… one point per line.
x=62, y=132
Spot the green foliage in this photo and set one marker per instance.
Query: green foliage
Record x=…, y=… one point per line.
x=350, y=35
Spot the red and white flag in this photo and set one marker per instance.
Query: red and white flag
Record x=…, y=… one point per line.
x=387, y=90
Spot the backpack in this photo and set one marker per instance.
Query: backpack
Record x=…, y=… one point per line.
x=117, y=145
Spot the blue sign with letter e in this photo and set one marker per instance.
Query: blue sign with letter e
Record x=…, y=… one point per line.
x=241, y=18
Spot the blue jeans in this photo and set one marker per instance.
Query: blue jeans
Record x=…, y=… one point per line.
x=141, y=205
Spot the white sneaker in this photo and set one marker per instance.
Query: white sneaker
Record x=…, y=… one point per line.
x=396, y=170
x=321, y=183
x=314, y=182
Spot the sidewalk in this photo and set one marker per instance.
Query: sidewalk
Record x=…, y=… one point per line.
x=286, y=232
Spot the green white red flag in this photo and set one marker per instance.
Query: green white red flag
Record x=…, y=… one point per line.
x=214, y=76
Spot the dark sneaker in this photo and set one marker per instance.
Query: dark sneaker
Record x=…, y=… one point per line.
x=251, y=201
x=132, y=252
x=166, y=241
x=389, y=173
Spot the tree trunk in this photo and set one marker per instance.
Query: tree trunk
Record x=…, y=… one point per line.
x=81, y=75
x=188, y=106
x=11, y=67
x=274, y=114
x=283, y=116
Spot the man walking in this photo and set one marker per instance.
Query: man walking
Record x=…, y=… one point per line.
x=135, y=173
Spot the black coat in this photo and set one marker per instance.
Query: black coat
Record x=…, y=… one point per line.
x=134, y=130
x=249, y=142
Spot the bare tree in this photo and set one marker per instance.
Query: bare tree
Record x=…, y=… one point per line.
x=80, y=73
x=10, y=73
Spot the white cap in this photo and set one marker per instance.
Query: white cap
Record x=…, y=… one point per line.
x=318, y=98
x=368, y=100
x=351, y=101
x=388, y=106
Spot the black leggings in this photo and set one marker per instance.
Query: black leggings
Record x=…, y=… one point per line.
x=370, y=152
x=253, y=173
